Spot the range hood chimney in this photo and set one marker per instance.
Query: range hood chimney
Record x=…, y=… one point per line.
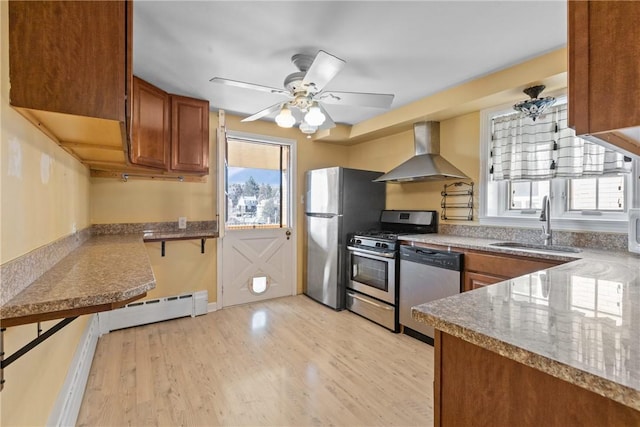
x=427, y=164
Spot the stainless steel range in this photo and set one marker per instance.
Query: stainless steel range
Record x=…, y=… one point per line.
x=372, y=290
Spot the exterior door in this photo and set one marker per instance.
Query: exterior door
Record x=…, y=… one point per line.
x=258, y=257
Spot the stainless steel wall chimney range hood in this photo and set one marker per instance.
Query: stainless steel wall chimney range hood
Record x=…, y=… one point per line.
x=427, y=164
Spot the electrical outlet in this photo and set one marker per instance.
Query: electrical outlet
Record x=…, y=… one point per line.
x=182, y=222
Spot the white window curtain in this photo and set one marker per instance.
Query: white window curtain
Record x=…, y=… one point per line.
x=522, y=149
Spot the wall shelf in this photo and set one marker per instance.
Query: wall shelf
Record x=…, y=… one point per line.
x=457, y=201
x=163, y=237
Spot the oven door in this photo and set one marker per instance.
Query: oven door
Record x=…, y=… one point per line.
x=373, y=274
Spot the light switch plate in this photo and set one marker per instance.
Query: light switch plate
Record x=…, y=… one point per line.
x=182, y=222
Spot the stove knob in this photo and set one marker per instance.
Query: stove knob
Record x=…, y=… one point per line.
x=384, y=245
x=378, y=244
x=358, y=241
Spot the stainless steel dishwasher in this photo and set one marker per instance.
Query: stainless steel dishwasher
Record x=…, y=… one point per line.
x=426, y=275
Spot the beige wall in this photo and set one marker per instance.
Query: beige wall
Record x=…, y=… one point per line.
x=459, y=144
x=44, y=192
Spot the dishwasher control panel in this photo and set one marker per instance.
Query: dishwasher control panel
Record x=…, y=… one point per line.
x=434, y=257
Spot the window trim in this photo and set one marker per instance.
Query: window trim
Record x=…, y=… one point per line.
x=499, y=215
x=291, y=190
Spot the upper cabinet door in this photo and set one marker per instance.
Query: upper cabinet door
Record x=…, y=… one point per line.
x=604, y=71
x=70, y=56
x=151, y=126
x=189, y=135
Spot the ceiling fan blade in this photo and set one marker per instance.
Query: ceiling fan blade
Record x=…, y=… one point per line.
x=328, y=121
x=263, y=113
x=324, y=68
x=253, y=86
x=374, y=100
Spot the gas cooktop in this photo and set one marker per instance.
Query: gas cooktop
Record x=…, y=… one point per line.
x=398, y=223
x=394, y=224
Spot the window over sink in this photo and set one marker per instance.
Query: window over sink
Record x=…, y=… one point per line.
x=522, y=161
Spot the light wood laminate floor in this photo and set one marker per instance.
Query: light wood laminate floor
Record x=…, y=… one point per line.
x=288, y=361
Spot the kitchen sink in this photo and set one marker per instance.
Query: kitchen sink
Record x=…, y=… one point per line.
x=535, y=247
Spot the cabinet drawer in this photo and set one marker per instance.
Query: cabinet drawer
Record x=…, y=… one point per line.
x=506, y=266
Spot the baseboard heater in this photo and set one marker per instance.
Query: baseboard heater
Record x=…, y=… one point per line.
x=155, y=310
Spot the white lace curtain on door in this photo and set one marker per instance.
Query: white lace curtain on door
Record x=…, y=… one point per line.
x=522, y=149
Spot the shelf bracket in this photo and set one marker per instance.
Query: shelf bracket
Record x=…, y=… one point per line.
x=29, y=346
x=163, y=246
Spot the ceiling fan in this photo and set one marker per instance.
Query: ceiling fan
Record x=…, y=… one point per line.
x=304, y=90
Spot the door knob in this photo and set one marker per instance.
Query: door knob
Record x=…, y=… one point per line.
x=288, y=233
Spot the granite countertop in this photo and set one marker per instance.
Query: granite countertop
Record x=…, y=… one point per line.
x=104, y=271
x=474, y=243
x=579, y=321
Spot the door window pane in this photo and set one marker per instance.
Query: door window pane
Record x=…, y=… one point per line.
x=257, y=184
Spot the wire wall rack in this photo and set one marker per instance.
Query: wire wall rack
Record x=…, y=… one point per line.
x=457, y=201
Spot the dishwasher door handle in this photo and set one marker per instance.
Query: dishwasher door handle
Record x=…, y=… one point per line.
x=425, y=251
x=384, y=307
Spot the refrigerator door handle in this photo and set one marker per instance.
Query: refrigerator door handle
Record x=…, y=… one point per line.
x=322, y=215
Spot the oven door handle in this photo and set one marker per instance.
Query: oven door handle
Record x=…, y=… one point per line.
x=356, y=251
x=366, y=301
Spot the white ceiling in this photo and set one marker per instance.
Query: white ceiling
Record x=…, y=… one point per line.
x=411, y=49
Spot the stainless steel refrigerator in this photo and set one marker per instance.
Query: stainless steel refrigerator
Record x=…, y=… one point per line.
x=338, y=201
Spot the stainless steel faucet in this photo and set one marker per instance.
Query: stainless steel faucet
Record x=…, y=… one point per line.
x=545, y=215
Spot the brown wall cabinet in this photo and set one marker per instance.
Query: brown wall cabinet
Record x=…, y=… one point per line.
x=189, y=135
x=70, y=57
x=151, y=126
x=604, y=75
x=169, y=132
x=74, y=58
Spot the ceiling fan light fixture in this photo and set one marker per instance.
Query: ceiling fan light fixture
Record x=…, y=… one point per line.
x=285, y=119
x=314, y=117
x=535, y=106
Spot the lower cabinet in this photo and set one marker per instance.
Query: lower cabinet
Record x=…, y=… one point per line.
x=474, y=386
x=477, y=280
x=484, y=268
